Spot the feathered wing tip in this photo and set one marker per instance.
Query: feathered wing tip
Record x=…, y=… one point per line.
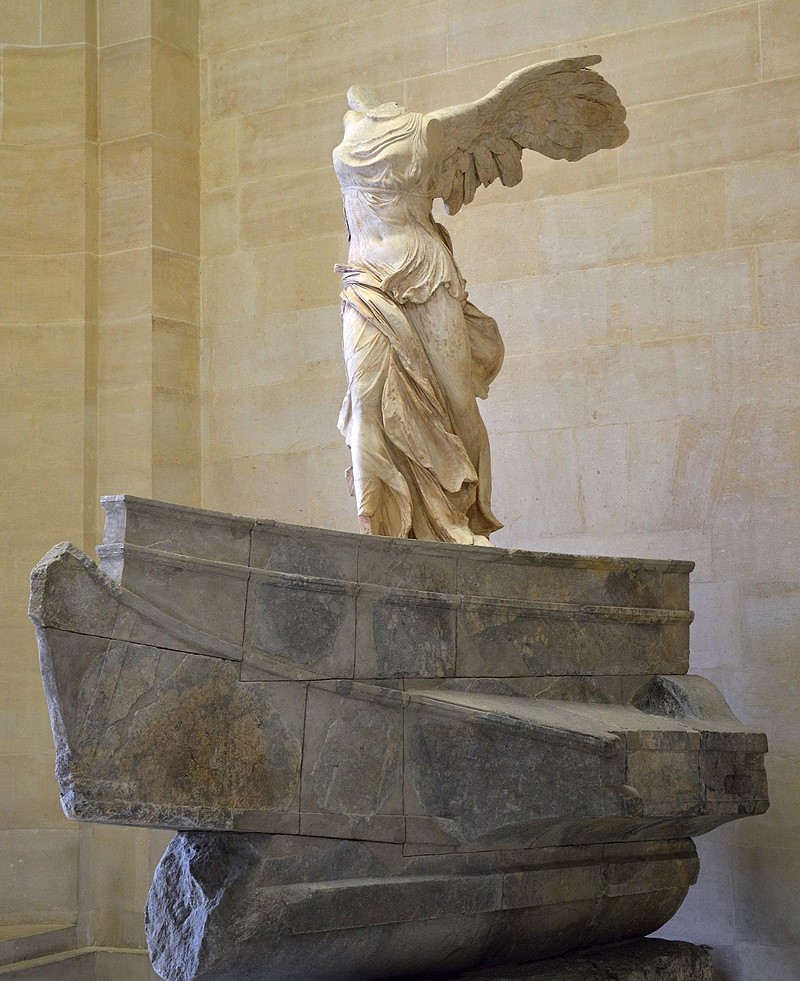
x=561, y=109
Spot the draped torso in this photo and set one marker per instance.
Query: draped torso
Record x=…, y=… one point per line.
x=385, y=172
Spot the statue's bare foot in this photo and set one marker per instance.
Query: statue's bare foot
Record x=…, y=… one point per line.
x=365, y=524
x=481, y=540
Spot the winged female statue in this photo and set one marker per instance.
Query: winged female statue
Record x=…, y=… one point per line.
x=417, y=352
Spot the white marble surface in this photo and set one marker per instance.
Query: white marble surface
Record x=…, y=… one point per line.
x=417, y=352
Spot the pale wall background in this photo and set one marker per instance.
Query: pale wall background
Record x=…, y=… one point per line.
x=168, y=225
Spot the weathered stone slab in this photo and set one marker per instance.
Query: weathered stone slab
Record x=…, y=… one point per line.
x=307, y=626
x=570, y=579
x=310, y=552
x=550, y=639
x=269, y=908
x=158, y=737
x=502, y=751
x=69, y=592
x=407, y=564
x=403, y=634
x=209, y=595
x=458, y=762
x=177, y=529
x=353, y=762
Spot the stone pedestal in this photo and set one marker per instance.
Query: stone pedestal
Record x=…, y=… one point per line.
x=227, y=907
x=386, y=756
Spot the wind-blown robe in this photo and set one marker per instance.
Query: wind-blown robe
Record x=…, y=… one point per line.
x=417, y=352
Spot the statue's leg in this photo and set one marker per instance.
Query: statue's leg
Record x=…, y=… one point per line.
x=381, y=493
x=443, y=331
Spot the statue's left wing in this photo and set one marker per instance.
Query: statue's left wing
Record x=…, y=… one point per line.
x=559, y=108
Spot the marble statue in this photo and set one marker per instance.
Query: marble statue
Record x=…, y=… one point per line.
x=417, y=352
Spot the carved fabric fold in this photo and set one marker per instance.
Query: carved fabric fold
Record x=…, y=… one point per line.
x=420, y=453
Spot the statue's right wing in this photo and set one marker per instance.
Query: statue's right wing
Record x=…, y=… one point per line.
x=559, y=108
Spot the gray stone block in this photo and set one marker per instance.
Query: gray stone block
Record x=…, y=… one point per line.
x=353, y=754
x=682, y=697
x=402, y=563
x=266, y=908
x=208, y=595
x=504, y=638
x=156, y=737
x=69, y=592
x=308, y=626
x=405, y=634
x=502, y=752
x=413, y=757
x=310, y=552
x=637, y=960
x=177, y=529
x=569, y=578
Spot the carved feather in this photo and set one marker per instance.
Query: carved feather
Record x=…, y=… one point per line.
x=562, y=109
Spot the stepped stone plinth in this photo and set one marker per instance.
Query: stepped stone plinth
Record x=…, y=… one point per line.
x=383, y=756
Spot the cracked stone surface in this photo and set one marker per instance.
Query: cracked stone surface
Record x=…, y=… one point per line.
x=386, y=757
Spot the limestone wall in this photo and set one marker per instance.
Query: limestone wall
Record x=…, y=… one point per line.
x=47, y=378
x=648, y=297
x=99, y=372
x=148, y=345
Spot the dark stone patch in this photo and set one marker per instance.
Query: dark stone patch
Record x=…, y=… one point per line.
x=498, y=641
x=297, y=625
x=415, y=639
x=406, y=564
x=498, y=778
x=305, y=552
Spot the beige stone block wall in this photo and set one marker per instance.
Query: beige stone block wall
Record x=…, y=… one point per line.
x=47, y=310
x=148, y=343
x=99, y=376
x=148, y=436
x=648, y=297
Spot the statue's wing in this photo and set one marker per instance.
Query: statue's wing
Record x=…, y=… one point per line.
x=559, y=108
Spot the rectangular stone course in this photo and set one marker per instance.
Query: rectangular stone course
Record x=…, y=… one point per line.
x=405, y=564
x=343, y=791
x=307, y=626
x=209, y=595
x=570, y=578
x=175, y=528
x=304, y=551
x=335, y=604
x=401, y=634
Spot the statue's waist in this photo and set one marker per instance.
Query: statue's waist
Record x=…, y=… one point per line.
x=385, y=194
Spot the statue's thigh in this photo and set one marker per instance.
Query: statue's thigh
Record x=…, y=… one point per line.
x=366, y=357
x=442, y=329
